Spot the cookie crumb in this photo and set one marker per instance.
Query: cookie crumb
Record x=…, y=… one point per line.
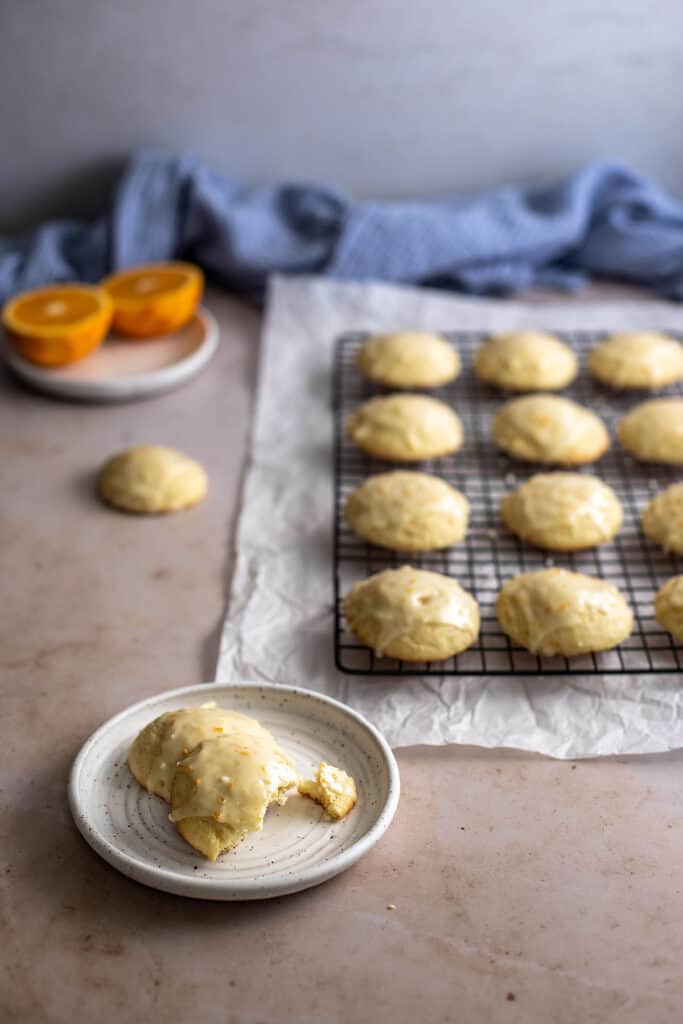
x=332, y=788
x=391, y=906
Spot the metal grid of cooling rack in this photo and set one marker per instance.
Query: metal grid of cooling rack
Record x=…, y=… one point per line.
x=490, y=554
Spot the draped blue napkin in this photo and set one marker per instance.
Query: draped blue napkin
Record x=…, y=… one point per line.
x=604, y=220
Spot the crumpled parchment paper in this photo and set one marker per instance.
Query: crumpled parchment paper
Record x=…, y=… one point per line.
x=279, y=625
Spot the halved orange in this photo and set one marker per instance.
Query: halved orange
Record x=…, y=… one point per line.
x=58, y=324
x=154, y=299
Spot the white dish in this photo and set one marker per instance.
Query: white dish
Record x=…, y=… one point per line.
x=122, y=369
x=298, y=846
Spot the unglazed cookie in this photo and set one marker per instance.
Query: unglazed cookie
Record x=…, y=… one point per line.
x=223, y=788
x=409, y=359
x=669, y=606
x=166, y=740
x=662, y=520
x=407, y=511
x=526, y=361
x=550, y=429
x=412, y=614
x=637, y=359
x=653, y=431
x=554, y=611
x=405, y=428
x=563, y=511
x=151, y=479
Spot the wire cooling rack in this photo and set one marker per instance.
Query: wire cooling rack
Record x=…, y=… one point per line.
x=490, y=554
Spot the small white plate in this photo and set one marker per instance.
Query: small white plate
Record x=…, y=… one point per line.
x=298, y=847
x=122, y=369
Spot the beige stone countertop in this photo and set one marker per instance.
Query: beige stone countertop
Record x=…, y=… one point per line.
x=525, y=890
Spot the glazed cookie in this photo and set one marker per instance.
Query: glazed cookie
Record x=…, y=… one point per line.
x=662, y=520
x=563, y=511
x=550, y=429
x=669, y=607
x=405, y=428
x=409, y=359
x=412, y=614
x=638, y=359
x=166, y=740
x=406, y=511
x=554, y=611
x=223, y=788
x=526, y=361
x=150, y=479
x=653, y=431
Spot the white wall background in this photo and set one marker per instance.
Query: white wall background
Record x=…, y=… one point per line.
x=383, y=97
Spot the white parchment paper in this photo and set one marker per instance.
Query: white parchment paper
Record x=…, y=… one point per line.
x=279, y=626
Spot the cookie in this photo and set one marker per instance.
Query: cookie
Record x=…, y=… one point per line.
x=223, y=788
x=551, y=430
x=412, y=614
x=526, y=361
x=637, y=359
x=405, y=428
x=151, y=480
x=332, y=788
x=653, y=431
x=554, y=611
x=407, y=511
x=409, y=359
x=662, y=520
x=563, y=511
x=166, y=740
x=669, y=606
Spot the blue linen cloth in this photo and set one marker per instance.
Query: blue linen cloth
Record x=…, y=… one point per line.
x=603, y=220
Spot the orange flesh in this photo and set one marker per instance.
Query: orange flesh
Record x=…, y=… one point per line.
x=56, y=308
x=145, y=284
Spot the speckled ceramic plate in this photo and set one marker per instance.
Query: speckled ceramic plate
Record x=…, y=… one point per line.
x=298, y=847
x=123, y=369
